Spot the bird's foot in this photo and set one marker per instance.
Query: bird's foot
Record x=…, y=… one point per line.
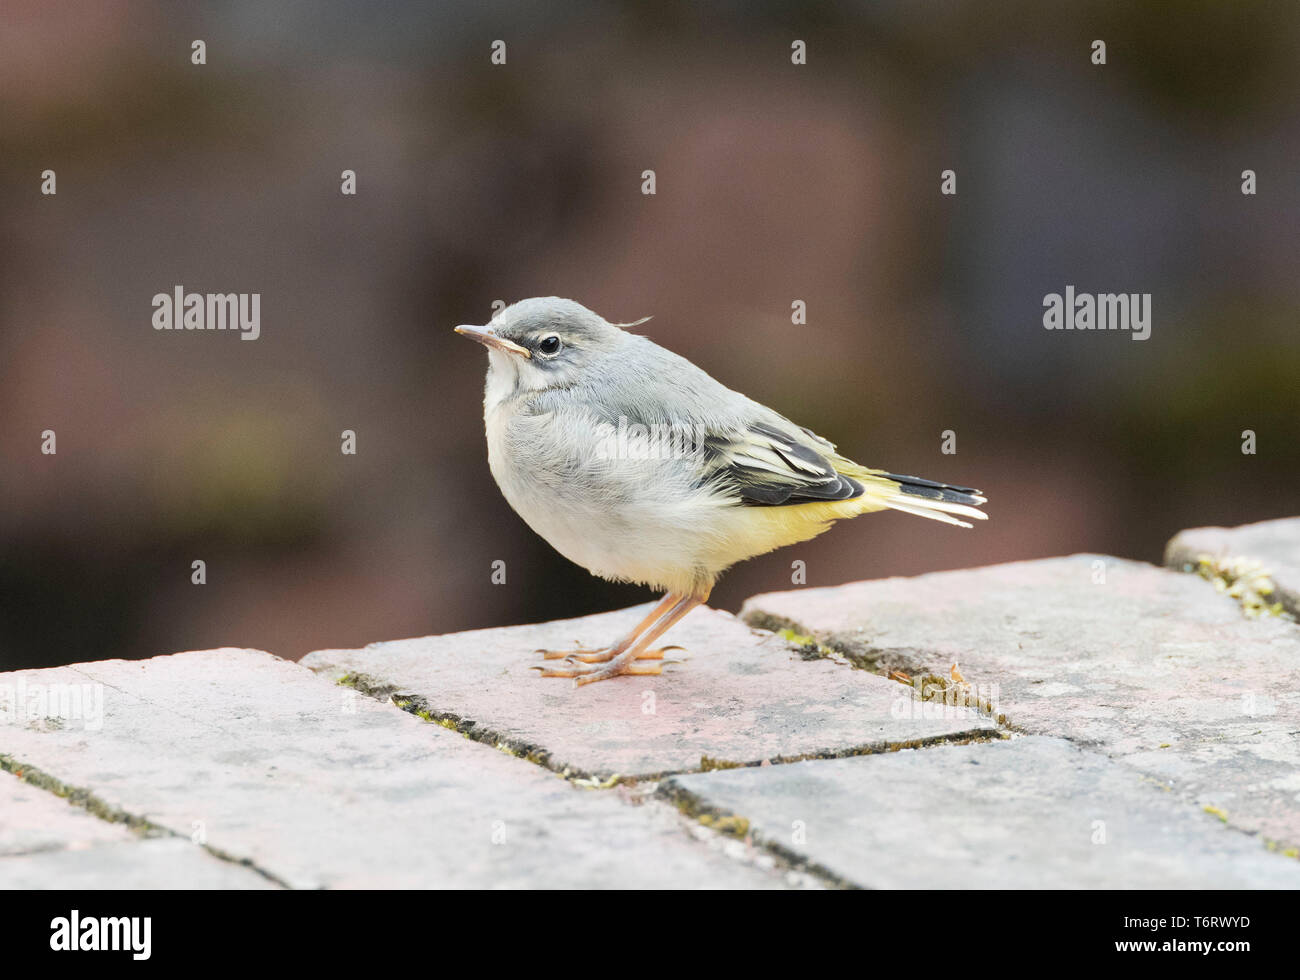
x=588, y=672
x=600, y=656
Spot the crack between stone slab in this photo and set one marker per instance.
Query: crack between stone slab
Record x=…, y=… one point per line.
x=475, y=731
x=690, y=806
x=693, y=807
x=718, y=840
x=1283, y=849
x=889, y=664
x=418, y=705
x=723, y=821
x=795, y=634
x=1247, y=581
x=97, y=807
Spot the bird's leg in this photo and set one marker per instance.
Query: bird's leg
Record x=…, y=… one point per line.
x=625, y=662
x=609, y=653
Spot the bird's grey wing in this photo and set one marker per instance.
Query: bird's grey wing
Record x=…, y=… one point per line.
x=767, y=463
x=742, y=449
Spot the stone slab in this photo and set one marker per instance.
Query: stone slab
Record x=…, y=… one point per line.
x=1275, y=545
x=1033, y=812
x=1148, y=665
x=742, y=697
x=318, y=786
x=47, y=843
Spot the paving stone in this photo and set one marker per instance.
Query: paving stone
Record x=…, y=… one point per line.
x=1028, y=813
x=318, y=786
x=47, y=843
x=742, y=697
x=1275, y=545
x=1151, y=666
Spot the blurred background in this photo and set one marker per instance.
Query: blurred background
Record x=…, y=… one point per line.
x=478, y=183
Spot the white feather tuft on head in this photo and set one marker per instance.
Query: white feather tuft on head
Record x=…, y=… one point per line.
x=634, y=323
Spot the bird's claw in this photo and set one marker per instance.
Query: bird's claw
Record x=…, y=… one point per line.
x=588, y=673
x=585, y=656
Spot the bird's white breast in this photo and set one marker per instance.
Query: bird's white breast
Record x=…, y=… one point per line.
x=637, y=520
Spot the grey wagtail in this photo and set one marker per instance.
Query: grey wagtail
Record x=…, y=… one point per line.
x=638, y=466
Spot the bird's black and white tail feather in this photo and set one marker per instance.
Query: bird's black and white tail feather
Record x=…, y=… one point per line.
x=937, y=501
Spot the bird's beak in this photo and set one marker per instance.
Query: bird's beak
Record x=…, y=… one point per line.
x=489, y=339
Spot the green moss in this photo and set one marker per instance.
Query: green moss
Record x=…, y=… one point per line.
x=595, y=783
x=708, y=764
x=92, y=804
x=808, y=646
x=1215, y=811
x=950, y=691
x=365, y=684
x=78, y=797
x=1244, y=580
x=929, y=687
x=731, y=825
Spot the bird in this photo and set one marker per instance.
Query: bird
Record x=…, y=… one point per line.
x=637, y=465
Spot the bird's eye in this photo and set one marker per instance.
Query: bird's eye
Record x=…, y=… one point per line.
x=549, y=345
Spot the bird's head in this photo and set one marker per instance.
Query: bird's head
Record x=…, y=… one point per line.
x=546, y=342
